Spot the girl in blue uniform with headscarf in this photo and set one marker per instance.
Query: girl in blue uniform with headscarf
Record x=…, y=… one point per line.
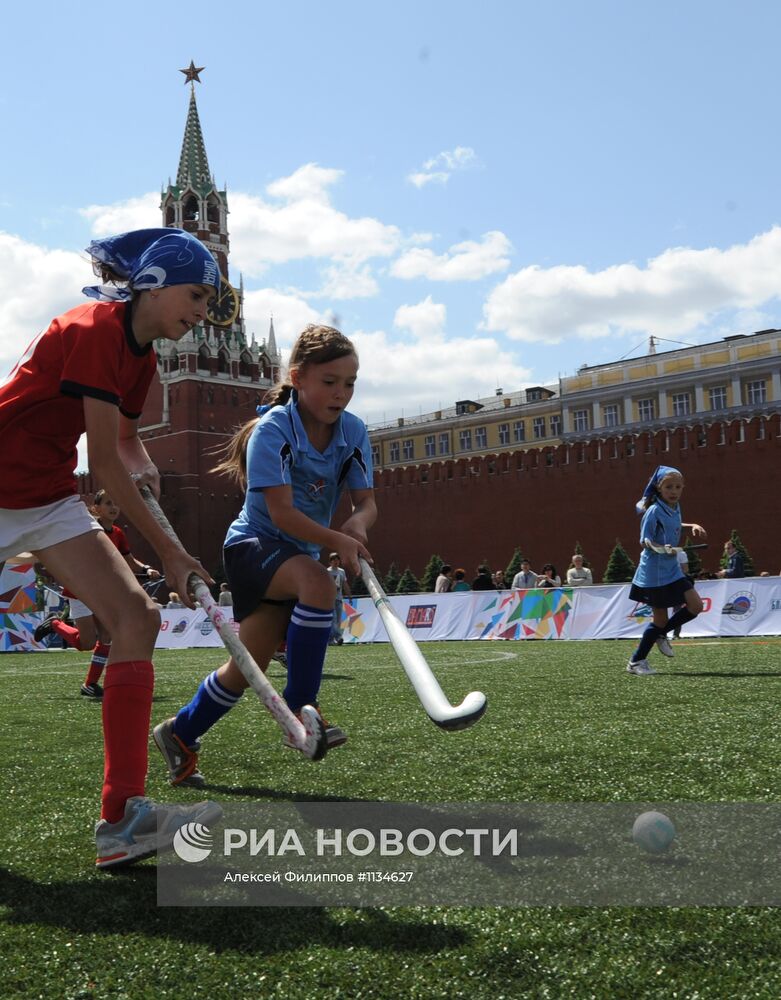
x=659, y=580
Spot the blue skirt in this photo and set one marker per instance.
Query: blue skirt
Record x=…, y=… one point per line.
x=669, y=596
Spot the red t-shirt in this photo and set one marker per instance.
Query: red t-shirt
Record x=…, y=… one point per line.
x=118, y=539
x=88, y=351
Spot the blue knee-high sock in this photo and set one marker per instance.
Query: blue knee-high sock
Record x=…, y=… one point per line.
x=681, y=617
x=307, y=640
x=647, y=640
x=210, y=703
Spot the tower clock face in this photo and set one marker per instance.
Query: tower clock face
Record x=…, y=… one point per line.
x=225, y=306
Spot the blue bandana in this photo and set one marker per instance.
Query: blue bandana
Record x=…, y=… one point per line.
x=656, y=477
x=152, y=258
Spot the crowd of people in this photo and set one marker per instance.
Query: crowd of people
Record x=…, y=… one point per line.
x=452, y=580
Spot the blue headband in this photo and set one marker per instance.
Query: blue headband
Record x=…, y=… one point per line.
x=152, y=258
x=656, y=477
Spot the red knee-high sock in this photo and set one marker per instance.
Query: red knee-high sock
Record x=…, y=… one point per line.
x=68, y=633
x=127, y=707
x=98, y=662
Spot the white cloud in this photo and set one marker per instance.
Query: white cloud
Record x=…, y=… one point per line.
x=467, y=261
x=426, y=370
x=426, y=319
x=674, y=294
x=291, y=314
x=305, y=225
x=122, y=216
x=348, y=281
x=439, y=168
x=36, y=284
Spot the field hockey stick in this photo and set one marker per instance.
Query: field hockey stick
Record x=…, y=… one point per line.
x=672, y=550
x=426, y=686
x=306, y=735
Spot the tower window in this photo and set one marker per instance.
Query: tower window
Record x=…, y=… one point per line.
x=191, y=213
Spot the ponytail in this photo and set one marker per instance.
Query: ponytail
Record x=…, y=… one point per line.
x=234, y=462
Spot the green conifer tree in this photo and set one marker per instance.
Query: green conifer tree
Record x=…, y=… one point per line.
x=430, y=573
x=392, y=578
x=409, y=583
x=620, y=568
x=514, y=566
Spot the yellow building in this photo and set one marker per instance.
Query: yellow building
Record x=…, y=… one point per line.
x=736, y=378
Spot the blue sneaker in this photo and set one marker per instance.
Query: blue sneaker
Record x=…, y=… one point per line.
x=147, y=828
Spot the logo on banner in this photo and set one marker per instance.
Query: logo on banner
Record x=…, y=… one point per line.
x=206, y=627
x=421, y=615
x=741, y=605
x=181, y=626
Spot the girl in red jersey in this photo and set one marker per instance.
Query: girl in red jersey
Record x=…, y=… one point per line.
x=90, y=371
x=87, y=631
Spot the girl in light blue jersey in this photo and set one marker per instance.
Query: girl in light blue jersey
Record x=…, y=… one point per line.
x=659, y=580
x=294, y=460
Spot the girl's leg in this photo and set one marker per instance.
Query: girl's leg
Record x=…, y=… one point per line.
x=653, y=631
x=100, y=654
x=80, y=635
x=178, y=739
x=91, y=565
x=688, y=612
x=310, y=625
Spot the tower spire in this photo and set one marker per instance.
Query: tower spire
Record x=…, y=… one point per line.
x=193, y=164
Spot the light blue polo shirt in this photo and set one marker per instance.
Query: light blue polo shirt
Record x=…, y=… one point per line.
x=662, y=524
x=279, y=453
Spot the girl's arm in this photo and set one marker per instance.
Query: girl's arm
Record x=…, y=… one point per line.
x=279, y=501
x=363, y=516
x=137, y=566
x=135, y=457
x=106, y=453
x=696, y=529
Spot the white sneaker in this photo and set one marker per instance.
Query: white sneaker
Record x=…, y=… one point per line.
x=664, y=646
x=147, y=828
x=642, y=667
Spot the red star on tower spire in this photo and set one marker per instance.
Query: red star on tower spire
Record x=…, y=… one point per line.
x=191, y=73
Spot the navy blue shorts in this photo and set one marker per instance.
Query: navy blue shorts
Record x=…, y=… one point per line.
x=670, y=596
x=250, y=566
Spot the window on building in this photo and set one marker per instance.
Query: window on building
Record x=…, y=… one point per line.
x=465, y=440
x=444, y=443
x=681, y=404
x=538, y=427
x=555, y=425
x=519, y=431
x=646, y=409
x=394, y=451
x=430, y=445
x=408, y=449
x=375, y=455
x=718, y=397
x=504, y=433
x=481, y=437
x=610, y=415
x=756, y=392
x=580, y=420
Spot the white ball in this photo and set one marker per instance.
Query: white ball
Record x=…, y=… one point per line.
x=653, y=831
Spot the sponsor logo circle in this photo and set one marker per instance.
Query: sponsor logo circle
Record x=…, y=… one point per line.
x=740, y=605
x=193, y=842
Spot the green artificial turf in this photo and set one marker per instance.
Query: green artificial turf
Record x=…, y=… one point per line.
x=565, y=723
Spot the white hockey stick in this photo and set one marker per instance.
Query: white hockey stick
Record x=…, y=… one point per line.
x=671, y=550
x=427, y=688
x=307, y=736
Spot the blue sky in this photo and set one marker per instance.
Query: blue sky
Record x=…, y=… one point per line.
x=483, y=195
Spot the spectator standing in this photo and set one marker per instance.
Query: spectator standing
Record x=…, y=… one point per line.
x=444, y=582
x=579, y=575
x=173, y=601
x=459, y=582
x=549, y=576
x=225, y=600
x=483, y=580
x=499, y=583
x=339, y=577
x=526, y=579
x=734, y=569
